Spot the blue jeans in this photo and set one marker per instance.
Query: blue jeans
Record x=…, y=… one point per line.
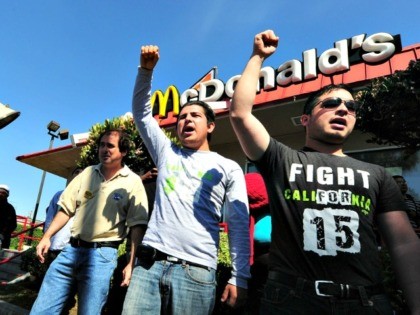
x=282, y=299
x=90, y=269
x=183, y=289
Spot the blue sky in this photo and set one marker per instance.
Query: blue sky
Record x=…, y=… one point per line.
x=75, y=61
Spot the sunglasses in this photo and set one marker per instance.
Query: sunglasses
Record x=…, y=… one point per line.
x=334, y=102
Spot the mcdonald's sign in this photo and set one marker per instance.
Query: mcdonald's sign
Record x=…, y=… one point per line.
x=374, y=49
x=163, y=103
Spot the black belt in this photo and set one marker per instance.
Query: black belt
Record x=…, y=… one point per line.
x=148, y=254
x=326, y=288
x=77, y=242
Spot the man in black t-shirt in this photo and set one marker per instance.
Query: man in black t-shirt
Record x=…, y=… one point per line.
x=413, y=206
x=324, y=205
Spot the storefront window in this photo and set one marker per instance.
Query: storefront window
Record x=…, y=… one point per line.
x=396, y=162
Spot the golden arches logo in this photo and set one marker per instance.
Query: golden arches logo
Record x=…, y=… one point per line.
x=165, y=103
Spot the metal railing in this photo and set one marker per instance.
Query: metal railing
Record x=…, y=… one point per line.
x=25, y=235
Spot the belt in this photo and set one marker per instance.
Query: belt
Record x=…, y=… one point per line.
x=148, y=253
x=326, y=288
x=77, y=242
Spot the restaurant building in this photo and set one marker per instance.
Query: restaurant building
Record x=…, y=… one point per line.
x=282, y=91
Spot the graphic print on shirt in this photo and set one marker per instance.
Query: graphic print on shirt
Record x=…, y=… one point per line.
x=334, y=228
x=170, y=184
x=185, y=181
x=328, y=231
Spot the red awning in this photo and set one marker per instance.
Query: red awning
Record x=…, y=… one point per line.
x=60, y=161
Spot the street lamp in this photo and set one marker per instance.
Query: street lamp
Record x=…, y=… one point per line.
x=53, y=130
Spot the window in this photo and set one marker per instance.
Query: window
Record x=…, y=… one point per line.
x=396, y=162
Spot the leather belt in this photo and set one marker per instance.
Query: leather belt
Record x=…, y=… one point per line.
x=326, y=288
x=148, y=254
x=77, y=242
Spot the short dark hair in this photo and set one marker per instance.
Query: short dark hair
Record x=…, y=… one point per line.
x=208, y=111
x=313, y=99
x=124, y=142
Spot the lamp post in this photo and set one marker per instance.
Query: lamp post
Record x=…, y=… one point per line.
x=53, y=130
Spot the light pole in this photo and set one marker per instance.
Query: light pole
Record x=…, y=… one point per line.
x=53, y=130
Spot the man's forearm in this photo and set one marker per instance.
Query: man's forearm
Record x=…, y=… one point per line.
x=58, y=222
x=239, y=245
x=136, y=234
x=406, y=260
x=246, y=88
x=141, y=94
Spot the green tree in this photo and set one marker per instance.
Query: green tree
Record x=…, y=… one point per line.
x=390, y=107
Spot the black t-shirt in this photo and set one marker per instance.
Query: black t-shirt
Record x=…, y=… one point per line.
x=7, y=222
x=323, y=214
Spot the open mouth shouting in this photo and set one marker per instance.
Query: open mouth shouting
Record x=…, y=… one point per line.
x=338, y=123
x=188, y=130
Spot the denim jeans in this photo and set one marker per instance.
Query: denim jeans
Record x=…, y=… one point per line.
x=281, y=299
x=183, y=289
x=90, y=269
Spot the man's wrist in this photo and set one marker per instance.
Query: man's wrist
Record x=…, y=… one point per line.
x=46, y=237
x=143, y=68
x=238, y=282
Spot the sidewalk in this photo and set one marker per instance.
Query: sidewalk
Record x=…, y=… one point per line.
x=10, y=272
x=10, y=309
